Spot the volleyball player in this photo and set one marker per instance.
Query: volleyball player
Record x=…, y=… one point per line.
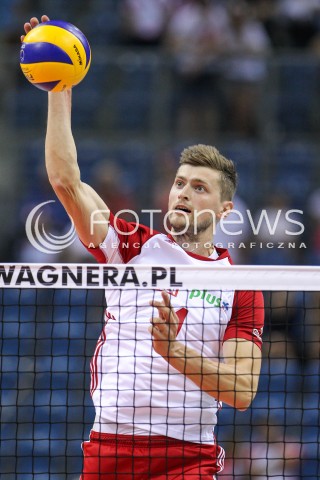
x=165, y=361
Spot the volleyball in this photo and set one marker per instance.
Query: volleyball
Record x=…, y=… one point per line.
x=55, y=56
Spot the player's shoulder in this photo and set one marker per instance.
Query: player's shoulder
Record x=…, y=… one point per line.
x=248, y=298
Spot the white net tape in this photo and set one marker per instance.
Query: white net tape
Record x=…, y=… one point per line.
x=89, y=276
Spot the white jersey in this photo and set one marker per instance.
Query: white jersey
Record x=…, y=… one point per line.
x=134, y=390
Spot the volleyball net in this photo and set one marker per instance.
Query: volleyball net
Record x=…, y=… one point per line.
x=52, y=317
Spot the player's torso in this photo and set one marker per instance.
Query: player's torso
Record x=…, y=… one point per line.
x=127, y=372
x=203, y=314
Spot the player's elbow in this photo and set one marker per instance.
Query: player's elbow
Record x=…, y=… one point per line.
x=243, y=400
x=238, y=399
x=243, y=404
x=62, y=169
x=64, y=182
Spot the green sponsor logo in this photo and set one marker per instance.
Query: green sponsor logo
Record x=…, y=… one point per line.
x=207, y=297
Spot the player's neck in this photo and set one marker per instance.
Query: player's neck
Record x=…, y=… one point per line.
x=200, y=246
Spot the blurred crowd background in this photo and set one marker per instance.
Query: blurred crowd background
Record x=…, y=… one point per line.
x=243, y=76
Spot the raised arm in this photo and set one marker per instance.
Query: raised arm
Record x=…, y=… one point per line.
x=233, y=381
x=81, y=202
x=88, y=211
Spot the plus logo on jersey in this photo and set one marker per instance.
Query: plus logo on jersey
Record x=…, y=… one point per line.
x=225, y=306
x=209, y=298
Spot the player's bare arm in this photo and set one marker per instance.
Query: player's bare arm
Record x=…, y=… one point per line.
x=88, y=211
x=234, y=382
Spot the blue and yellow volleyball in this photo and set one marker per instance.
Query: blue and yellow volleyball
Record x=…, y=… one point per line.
x=55, y=56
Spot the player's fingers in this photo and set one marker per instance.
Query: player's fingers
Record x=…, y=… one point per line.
x=157, y=321
x=159, y=332
x=34, y=22
x=161, y=308
x=28, y=26
x=156, y=303
x=164, y=304
x=170, y=313
x=166, y=298
x=164, y=308
x=164, y=312
x=159, y=326
x=156, y=332
x=162, y=330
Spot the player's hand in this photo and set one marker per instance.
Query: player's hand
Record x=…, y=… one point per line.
x=33, y=23
x=164, y=327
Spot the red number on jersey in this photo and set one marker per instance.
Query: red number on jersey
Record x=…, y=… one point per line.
x=181, y=314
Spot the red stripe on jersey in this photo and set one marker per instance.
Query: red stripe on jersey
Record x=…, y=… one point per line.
x=97, y=253
x=94, y=362
x=222, y=254
x=247, y=317
x=220, y=459
x=131, y=236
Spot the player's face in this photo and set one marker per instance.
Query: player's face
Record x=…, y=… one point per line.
x=195, y=203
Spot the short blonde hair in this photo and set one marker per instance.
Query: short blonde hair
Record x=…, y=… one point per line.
x=209, y=156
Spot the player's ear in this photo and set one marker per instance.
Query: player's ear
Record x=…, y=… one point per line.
x=227, y=206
